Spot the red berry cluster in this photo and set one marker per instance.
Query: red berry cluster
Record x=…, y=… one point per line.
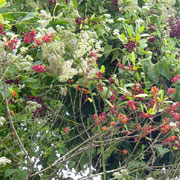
x=39, y=68
x=174, y=27
x=2, y=30
x=111, y=81
x=99, y=118
x=93, y=54
x=131, y=45
x=175, y=79
x=100, y=87
x=99, y=75
x=170, y=139
x=12, y=43
x=47, y=38
x=127, y=68
x=29, y=37
x=11, y=81
x=132, y=105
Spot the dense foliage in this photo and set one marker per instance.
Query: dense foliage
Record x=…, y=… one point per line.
x=89, y=85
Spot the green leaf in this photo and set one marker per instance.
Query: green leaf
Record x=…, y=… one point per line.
x=133, y=59
x=142, y=29
x=90, y=100
x=135, y=164
x=161, y=150
x=153, y=74
x=130, y=31
x=163, y=68
x=107, y=50
x=138, y=37
x=2, y=3
x=109, y=103
x=12, y=70
x=102, y=69
x=115, y=55
x=29, y=16
x=22, y=174
x=123, y=37
x=101, y=10
x=9, y=172
x=75, y=3
x=1, y=18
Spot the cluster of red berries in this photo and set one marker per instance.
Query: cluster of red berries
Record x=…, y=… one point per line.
x=122, y=66
x=11, y=81
x=12, y=43
x=29, y=37
x=99, y=118
x=175, y=79
x=2, y=29
x=174, y=27
x=99, y=75
x=131, y=45
x=100, y=87
x=39, y=68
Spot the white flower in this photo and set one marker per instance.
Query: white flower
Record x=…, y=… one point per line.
x=124, y=172
x=43, y=23
x=172, y=124
x=67, y=72
x=63, y=91
x=32, y=106
x=117, y=175
x=150, y=178
x=23, y=49
x=4, y=161
x=44, y=14
x=110, y=21
x=145, y=8
x=2, y=120
x=116, y=32
x=50, y=30
x=107, y=15
x=120, y=19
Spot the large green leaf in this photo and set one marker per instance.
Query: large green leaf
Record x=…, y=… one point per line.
x=153, y=73
x=107, y=50
x=9, y=172
x=2, y=3
x=22, y=174
x=163, y=68
x=161, y=150
x=75, y=3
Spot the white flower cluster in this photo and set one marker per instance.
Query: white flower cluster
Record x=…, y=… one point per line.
x=21, y=62
x=2, y=120
x=83, y=47
x=67, y=71
x=121, y=175
x=32, y=106
x=4, y=161
x=44, y=18
x=128, y=5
